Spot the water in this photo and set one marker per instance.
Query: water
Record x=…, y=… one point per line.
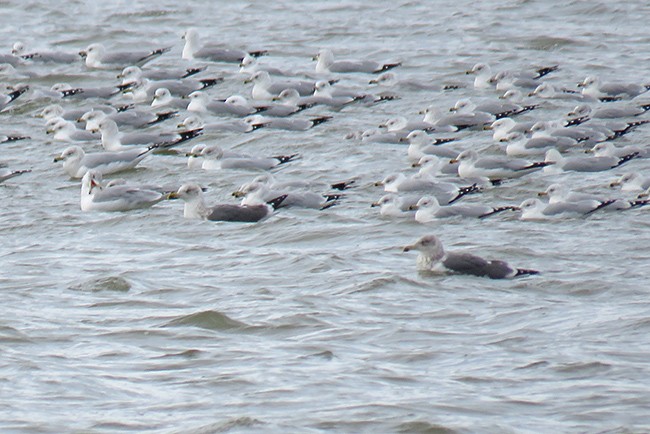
x=315, y=321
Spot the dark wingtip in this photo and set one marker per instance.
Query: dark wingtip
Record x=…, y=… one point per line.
x=259, y=53
x=525, y=272
x=389, y=66
x=276, y=202
x=286, y=158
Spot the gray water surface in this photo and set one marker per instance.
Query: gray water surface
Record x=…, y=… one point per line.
x=316, y=321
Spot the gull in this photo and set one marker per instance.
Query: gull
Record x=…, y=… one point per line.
x=535, y=209
x=132, y=118
x=592, y=86
x=194, y=50
x=292, y=98
x=560, y=193
x=431, y=166
x=215, y=158
x=399, y=124
x=390, y=80
x=499, y=109
x=421, y=144
x=429, y=209
x=585, y=135
x=96, y=57
x=71, y=113
x=445, y=192
x=18, y=49
x=611, y=111
x=12, y=138
x=502, y=127
x=95, y=197
x=584, y=164
x=6, y=173
x=194, y=158
x=518, y=145
x=76, y=162
x=326, y=64
x=632, y=181
x=392, y=205
x=434, y=259
x=162, y=98
x=254, y=193
x=65, y=90
x=194, y=122
x=455, y=121
x=135, y=72
x=235, y=105
x=250, y=65
x=607, y=149
x=195, y=207
x=547, y=91
x=485, y=78
x=472, y=165
x=113, y=140
x=143, y=89
x=285, y=123
x=265, y=89
x=66, y=131
x=269, y=180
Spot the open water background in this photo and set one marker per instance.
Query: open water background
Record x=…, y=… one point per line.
x=316, y=321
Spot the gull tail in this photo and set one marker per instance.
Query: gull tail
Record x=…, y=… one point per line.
x=319, y=120
x=541, y=72
x=343, y=185
x=16, y=93
x=602, y=205
x=191, y=71
x=209, y=82
x=443, y=140
x=498, y=210
x=387, y=67
x=536, y=165
x=286, y=158
x=276, y=202
x=463, y=191
x=163, y=117
x=577, y=121
x=72, y=92
x=258, y=53
x=624, y=159
x=14, y=138
x=525, y=272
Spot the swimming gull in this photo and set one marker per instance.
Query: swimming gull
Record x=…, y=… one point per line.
x=611, y=111
x=163, y=99
x=97, y=57
x=535, y=209
x=433, y=258
x=195, y=207
x=500, y=109
x=583, y=164
x=608, y=149
x=393, y=205
x=420, y=144
x=215, y=158
x=194, y=122
x=326, y=64
x=472, y=165
x=132, y=118
x=428, y=209
x=547, y=91
x=18, y=49
x=193, y=49
x=6, y=99
x=66, y=131
x=518, y=145
x=234, y=105
x=95, y=197
x=250, y=65
x=256, y=192
x=160, y=73
x=431, y=166
x=286, y=123
x=390, y=80
x=445, y=192
x=592, y=86
x=265, y=88
x=114, y=140
x=76, y=162
x=632, y=181
x=501, y=127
